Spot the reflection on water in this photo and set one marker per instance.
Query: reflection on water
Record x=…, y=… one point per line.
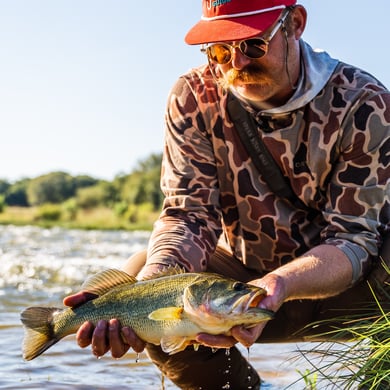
x=41, y=266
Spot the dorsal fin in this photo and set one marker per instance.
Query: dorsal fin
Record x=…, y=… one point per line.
x=168, y=271
x=104, y=281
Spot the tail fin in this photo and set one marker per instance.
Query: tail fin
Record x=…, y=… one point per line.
x=39, y=333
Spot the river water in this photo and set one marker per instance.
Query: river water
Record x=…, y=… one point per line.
x=40, y=267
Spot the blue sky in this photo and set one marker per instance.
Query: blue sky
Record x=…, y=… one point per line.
x=83, y=83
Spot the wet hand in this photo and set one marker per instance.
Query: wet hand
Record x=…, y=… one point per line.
x=274, y=285
x=78, y=299
x=106, y=335
x=215, y=341
x=245, y=336
x=248, y=336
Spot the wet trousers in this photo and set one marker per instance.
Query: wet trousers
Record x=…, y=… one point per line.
x=210, y=370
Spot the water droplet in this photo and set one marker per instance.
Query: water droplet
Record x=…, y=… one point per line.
x=137, y=358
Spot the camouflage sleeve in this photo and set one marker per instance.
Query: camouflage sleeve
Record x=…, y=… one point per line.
x=189, y=225
x=358, y=211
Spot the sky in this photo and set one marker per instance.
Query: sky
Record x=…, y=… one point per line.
x=84, y=83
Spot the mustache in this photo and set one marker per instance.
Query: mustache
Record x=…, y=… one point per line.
x=251, y=73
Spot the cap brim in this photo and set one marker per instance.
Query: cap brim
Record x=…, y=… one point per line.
x=233, y=29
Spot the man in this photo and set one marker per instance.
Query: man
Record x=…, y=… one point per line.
x=327, y=126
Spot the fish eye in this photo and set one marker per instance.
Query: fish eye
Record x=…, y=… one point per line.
x=238, y=286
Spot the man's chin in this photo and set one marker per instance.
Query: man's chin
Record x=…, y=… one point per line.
x=250, y=91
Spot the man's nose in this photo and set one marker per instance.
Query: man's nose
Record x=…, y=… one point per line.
x=239, y=60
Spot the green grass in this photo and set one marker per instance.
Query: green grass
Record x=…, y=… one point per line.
x=363, y=361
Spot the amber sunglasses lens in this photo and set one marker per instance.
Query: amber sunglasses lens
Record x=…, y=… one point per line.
x=221, y=53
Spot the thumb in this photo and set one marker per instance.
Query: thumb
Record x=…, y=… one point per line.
x=78, y=299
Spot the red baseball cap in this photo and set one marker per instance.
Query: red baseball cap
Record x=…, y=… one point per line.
x=234, y=20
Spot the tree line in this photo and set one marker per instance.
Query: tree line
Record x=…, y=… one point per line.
x=122, y=194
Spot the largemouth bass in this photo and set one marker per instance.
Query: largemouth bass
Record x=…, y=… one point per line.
x=168, y=310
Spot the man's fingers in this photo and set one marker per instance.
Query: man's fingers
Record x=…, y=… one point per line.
x=219, y=341
x=78, y=298
x=240, y=334
x=117, y=345
x=129, y=336
x=84, y=334
x=247, y=336
x=100, y=343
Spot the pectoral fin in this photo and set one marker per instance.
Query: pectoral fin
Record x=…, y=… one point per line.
x=166, y=314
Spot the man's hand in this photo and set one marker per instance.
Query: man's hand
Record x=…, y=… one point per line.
x=107, y=335
x=240, y=334
x=274, y=285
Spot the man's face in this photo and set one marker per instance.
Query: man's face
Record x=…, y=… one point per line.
x=264, y=80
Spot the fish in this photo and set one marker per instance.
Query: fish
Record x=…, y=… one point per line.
x=168, y=309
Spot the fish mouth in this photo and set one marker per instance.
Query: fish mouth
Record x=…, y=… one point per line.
x=248, y=301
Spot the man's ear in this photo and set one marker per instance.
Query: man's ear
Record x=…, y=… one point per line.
x=297, y=22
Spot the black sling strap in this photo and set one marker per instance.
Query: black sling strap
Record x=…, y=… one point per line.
x=259, y=153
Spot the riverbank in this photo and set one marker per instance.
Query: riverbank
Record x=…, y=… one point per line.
x=100, y=218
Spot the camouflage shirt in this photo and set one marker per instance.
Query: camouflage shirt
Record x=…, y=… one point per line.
x=331, y=141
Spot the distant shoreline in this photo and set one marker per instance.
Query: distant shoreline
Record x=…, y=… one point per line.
x=101, y=218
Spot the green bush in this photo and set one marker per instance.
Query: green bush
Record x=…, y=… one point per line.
x=101, y=194
x=49, y=212
x=2, y=203
x=16, y=194
x=138, y=213
x=120, y=208
x=70, y=209
x=55, y=187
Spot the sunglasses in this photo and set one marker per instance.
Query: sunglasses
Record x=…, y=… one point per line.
x=254, y=48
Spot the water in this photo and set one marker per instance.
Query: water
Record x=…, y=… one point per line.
x=40, y=267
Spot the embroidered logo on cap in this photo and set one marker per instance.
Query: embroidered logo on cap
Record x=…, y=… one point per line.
x=216, y=3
